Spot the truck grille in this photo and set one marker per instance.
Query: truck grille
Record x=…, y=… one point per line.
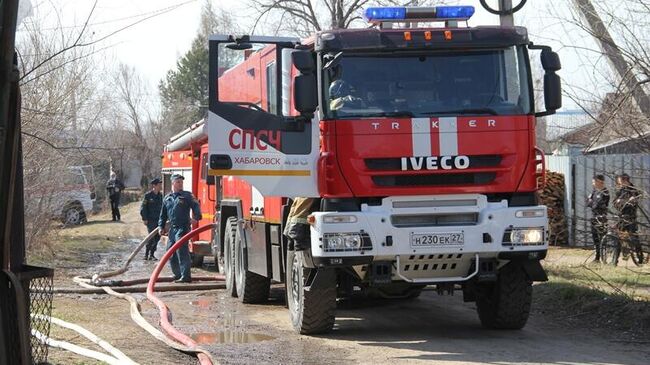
x=477, y=178
x=434, y=220
x=384, y=164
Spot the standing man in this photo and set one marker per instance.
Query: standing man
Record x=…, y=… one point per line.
x=297, y=228
x=598, y=201
x=176, y=207
x=150, y=213
x=626, y=202
x=114, y=187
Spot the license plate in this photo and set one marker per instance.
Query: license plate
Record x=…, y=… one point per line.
x=437, y=239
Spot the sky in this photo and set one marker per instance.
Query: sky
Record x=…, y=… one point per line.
x=167, y=28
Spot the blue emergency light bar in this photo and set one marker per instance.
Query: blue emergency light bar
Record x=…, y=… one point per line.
x=405, y=14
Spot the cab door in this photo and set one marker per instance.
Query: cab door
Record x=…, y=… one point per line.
x=206, y=193
x=249, y=137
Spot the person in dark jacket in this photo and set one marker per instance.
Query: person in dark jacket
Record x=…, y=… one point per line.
x=626, y=202
x=114, y=187
x=176, y=208
x=150, y=213
x=598, y=201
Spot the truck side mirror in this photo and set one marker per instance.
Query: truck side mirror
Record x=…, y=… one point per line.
x=552, y=83
x=552, y=91
x=550, y=61
x=304, y=95
x=305, y=89
x=303, y=61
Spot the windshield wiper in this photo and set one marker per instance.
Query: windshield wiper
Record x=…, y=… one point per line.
x=464, y=111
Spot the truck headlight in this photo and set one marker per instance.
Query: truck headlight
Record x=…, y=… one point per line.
x=523, y=236
x=346, y=242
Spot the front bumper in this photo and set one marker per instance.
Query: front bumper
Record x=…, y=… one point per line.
x=385, y=240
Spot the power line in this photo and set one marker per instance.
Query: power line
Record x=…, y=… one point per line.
x=117, y=20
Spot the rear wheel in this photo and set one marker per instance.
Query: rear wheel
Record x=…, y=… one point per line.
x=73, y=214
x=506, y=303
x=312, y=311
x=638, y=257
x=251, y=287
x=610, y=249
x=219, y=263
x=229, y=255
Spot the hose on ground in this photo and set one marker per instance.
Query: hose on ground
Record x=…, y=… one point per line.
x=118, y=357
x=165, y=315
x=99, y=284
x=124, y=267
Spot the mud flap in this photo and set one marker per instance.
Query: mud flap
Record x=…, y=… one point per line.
x=534, y=270
x=320, y=279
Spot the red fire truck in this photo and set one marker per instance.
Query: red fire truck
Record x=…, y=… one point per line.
x=417, y=145
x=187, y=154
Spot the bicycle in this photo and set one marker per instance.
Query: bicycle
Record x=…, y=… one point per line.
x=616, y=242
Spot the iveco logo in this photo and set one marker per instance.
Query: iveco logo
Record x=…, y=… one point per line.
x=435, y=163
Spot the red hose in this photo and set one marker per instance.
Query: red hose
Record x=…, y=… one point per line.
x=165, y=315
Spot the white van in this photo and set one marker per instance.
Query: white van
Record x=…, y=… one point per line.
x=73, y=203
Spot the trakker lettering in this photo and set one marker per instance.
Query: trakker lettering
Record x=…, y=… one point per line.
x=246, y=139
x=435, y=163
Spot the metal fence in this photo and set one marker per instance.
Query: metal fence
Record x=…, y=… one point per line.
x=578, y=172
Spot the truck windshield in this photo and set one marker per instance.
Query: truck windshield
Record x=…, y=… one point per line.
x=494, y=82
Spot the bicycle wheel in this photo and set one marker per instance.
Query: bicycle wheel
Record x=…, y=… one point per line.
x=638, y=257
x=610, y=248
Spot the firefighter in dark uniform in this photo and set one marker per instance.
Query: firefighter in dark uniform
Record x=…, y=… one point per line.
x=176, y=207
x=297, y=227
x=150, y=213
x=598, y=201
x=626, y=202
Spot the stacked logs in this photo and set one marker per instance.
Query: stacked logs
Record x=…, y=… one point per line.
x=553, y=197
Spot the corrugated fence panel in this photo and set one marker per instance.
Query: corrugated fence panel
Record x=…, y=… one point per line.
x=578, y=172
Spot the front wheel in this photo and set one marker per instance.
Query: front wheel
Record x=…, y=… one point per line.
x=506, y=303
x=610, y=249
x=311, y=309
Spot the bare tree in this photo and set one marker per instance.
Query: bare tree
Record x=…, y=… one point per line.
x=303, y=17
x=133, y=108
x=619, y=106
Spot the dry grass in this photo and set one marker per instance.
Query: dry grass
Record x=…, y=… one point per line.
x=596, y=296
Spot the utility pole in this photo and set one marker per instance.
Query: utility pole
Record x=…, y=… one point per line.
x=614, y=54
x=507, y=19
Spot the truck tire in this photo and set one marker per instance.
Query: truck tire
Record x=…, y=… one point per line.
x=311, y=311
x=229, y=255
x=506, y=303
x=197, y=260
x=251, y=287
x=73, y=214
x=217, y=251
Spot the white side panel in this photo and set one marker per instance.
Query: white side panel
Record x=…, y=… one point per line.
x=272, y=172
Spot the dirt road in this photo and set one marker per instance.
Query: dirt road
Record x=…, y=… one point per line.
x=432, y=328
